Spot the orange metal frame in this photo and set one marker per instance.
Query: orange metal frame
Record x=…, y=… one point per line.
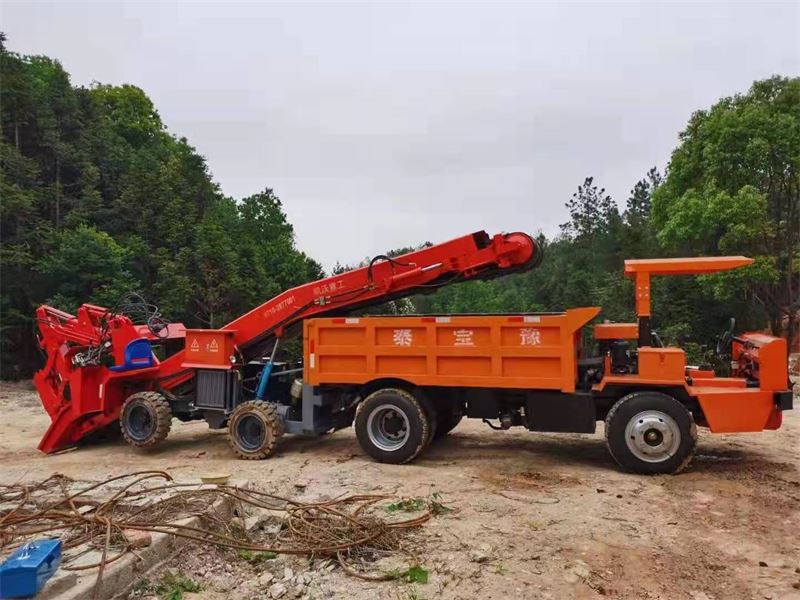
x=509, y=351
x=616, y=331
x=642, y=270
x=727, y=403
x=541, y=352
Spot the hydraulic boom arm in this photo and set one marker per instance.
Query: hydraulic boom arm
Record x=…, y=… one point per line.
x=472, y=256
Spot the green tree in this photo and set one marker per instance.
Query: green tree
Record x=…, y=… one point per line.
x=734, y=187
x=86, y=265
x=218, y=284
x=268, y=256
x=98, y=198
x=591, y=211
x=639, y=240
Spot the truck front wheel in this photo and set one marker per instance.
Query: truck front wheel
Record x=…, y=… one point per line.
x=650, y=433
x=392, y=426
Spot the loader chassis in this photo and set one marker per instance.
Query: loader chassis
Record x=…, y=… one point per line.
x=404, y=381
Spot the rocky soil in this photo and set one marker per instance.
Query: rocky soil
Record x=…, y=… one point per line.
x=534, y=515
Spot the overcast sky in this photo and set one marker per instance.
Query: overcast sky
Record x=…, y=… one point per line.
x=383, y=125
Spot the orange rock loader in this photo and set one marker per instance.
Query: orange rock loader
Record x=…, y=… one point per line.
x=403, y=381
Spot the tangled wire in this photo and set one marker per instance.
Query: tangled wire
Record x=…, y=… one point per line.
x=141, y=312
x=138, y=310
x=342, y=528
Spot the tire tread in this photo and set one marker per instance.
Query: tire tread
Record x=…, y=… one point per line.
x=634, y=395
x=274, y=422
x=418, y=407
x=163, y=414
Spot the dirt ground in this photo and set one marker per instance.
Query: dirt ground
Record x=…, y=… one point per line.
x=536, y=515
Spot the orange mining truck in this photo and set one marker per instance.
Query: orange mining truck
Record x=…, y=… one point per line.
x=403, y=381
x=413, y=378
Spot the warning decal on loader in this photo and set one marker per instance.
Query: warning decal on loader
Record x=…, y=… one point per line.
x=209, y=348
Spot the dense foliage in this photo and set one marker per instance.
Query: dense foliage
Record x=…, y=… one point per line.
x=98, y=198
x=583, y=267
x=732, y=187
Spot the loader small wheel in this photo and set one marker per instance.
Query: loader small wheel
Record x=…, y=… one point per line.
x=650, y=433
x=145, y=420
x=392, y=426
x=254, y=429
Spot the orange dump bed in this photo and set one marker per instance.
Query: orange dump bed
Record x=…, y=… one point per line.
x=496, y=351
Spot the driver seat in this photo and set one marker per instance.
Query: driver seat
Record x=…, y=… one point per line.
x=138, y=355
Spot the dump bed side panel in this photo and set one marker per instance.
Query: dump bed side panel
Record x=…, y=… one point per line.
x=507, y=351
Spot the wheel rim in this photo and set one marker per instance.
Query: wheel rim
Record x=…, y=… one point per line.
x=140, y=422
x=388, y=428
x=653, y=436
x=250, y=432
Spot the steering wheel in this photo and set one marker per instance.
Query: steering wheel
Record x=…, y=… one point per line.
x=725, y=340
x=158, y=327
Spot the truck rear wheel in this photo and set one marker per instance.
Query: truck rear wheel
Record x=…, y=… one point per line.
x=254, y=429
x=447, y=419
x=432, y=413
x=392, y=426
x=651, y=433
x=146, y=419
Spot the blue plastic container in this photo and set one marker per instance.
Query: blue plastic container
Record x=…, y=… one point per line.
x=26, y=571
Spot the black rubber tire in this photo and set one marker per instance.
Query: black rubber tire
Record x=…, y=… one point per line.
x=418, y=425
x=158, y=423
x=447, y=419
x=626, y=408
x=257, y=413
